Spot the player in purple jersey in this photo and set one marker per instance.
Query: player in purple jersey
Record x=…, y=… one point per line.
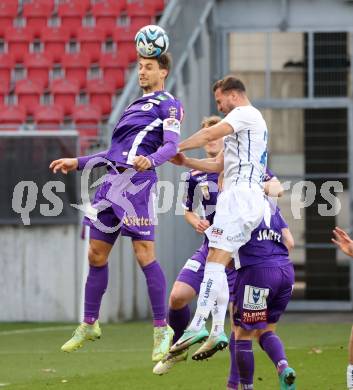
x=263, y=288
x=201, y=188
x=145, y=137
x=345, y=243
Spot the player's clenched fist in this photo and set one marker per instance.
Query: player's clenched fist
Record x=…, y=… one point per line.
x=202, y=226
x=178, y=159
x=141, y=163
x=64, y=165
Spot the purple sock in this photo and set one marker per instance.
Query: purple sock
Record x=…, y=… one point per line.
x=233, y=379
x=273, y=346
x=178, y=320
x=157, y=287
x=245, y=360
x=96, y=284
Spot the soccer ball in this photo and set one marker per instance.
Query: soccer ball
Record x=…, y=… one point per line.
x=151, y=41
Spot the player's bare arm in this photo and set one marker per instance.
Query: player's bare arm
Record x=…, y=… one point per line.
x=288, y=239
x=64, y=165
x=205, y=135
x=209, y=165
x=200, y=225
x=343, y=241
x=273, y=188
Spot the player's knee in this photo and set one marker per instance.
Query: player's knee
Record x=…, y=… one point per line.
x=176, y=300
x=96, y=258
x=144, y=253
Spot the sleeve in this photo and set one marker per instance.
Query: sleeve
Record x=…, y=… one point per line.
x=268, y=174
x=82, y=161
x=171, y=113
x=236, y=118
x=189, y=192
x=281, y=221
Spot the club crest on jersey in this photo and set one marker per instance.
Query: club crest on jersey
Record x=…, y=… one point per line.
x=255, y=298
x=147, y=107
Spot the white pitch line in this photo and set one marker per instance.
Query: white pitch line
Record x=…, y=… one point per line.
x=126, y=350
x=35, y=330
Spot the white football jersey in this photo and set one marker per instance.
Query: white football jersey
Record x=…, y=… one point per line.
x=245, y=151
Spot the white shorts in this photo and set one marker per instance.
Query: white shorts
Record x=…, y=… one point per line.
x=239, y=211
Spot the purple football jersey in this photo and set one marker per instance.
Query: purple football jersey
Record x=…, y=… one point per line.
x=201, y=189
x=140, y=130
x=265, y=247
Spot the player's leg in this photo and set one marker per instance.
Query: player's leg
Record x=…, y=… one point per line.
x=96, y=284
x=156, y=287
x=350, y=365
x=244, y=356
x=218, y=340
x=179, y=315
x=281, y=281
x=179, y=312
x=233, y=377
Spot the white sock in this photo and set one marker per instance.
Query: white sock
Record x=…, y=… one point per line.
x=350, y=376
x=219, y=309
x=210, y=288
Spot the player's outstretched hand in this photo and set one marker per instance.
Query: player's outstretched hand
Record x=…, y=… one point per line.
x=141, y=163
x=343, y=241
x=202, y=226
x=64, y=165
x=178, y=159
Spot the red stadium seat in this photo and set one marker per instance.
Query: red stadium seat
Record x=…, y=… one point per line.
x=54, y=39
x=100, y=92
x=91, y=39
x=125, y=40
x=114, y=66
x=6, y=64
x=76, y=65
x=71, y=14
x=28, y=93
x=159, y=5
x=37, y=12
x=12, y=117
x=140, y=13
x=4, y=90
x=48, y=117
x=87, y=119
x=18, y=41
x=65, y=92
x=106, y=13
x=8, y=11
x=38, y=65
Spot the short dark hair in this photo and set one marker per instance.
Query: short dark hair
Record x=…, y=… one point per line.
x=209, y=121
x=164, y=61
x=229, y=83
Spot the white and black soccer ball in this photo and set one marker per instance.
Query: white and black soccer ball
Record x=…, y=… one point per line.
x=151, y=41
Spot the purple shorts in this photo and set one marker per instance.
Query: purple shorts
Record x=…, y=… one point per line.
x=125, y=204
x=262, y=295
x=193, y=271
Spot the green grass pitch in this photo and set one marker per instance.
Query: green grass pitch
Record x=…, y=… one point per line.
x=30, y=359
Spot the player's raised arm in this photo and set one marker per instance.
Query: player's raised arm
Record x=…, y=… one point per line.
x=343, y=241
x=66, y=165
x=205, y=135
x=215, y=164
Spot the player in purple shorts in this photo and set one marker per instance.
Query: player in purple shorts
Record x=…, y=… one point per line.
x=145, y=137
x=263, y=288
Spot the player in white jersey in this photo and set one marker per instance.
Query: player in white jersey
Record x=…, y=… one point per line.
x=240, y=207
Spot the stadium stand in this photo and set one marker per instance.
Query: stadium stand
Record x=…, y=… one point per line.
x=53, y=52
